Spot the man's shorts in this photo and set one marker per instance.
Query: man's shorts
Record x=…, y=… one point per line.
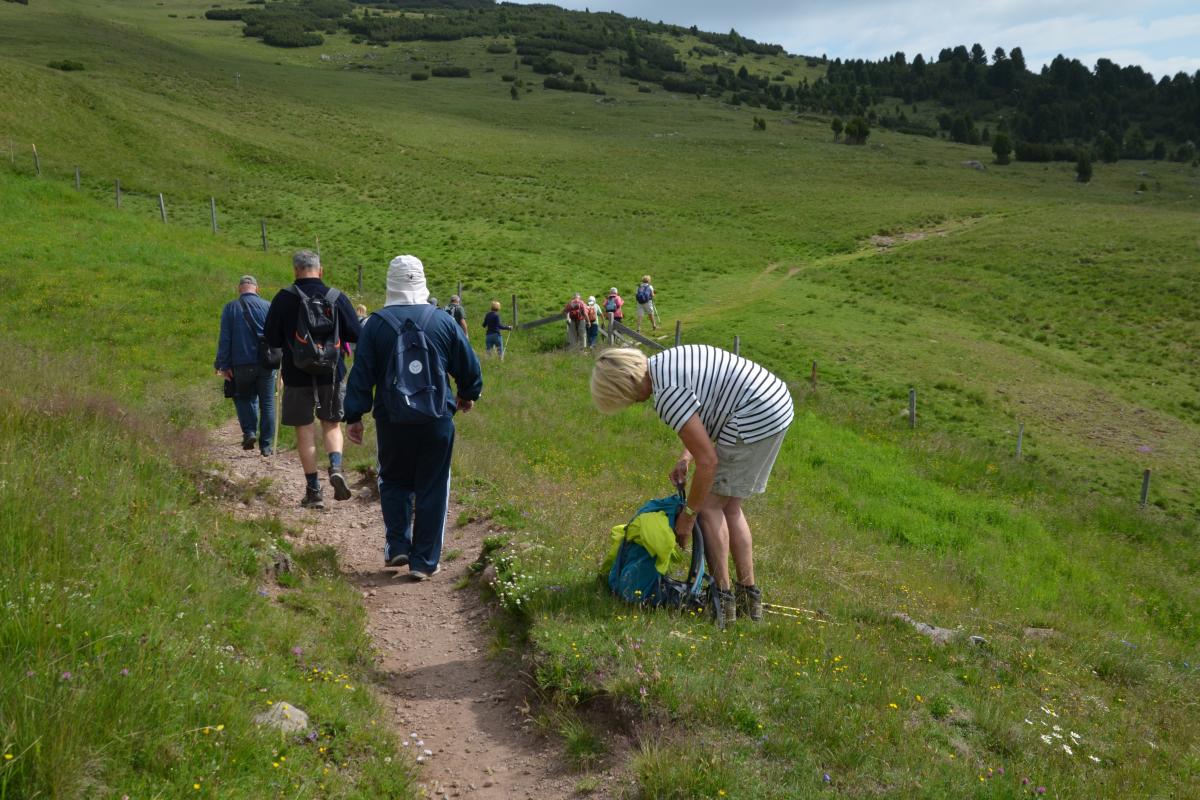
x=743, y=469
x=647, y=308
x=300, y=403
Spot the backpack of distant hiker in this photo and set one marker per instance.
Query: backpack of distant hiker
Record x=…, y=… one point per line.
x=577, y=310
x=455, y=311
x=641, y=556
x=645, y=293
x=316, y=343
x=414, y=384
x=610, y=305
x=590, y=310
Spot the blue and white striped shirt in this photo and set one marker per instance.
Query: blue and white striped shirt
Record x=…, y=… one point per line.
x=735, y=398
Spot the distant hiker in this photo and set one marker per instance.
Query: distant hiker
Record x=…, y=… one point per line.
x=731, y=415
x=310, y=321
x=456, y=310
x=593, y=320
x=406, y=356
x=493, y=326
x=575, y=312
x=645, y=301
x=360, y=311
x=613, y=304
x=238, y=360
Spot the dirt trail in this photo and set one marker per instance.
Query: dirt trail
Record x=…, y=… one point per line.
x=433, y=670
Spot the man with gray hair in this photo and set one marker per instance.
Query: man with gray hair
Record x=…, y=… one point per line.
x=253, y=386
x=310, y=393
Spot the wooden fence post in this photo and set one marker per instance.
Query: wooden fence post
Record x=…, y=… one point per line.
x=77, y=178
x=612, y=330
x=678, y=333
x=12, y=153
x=514, y=316
x=1020, y=439
x=117, y=192
x=318, y=240
x=459, y=293
x=360, y=278
x=264, y=235
x=812, y=378
x=162, y=207
x=1145, y=488
x=912, y=408
x=737, y=345
x=212, y=212
x=37, y=162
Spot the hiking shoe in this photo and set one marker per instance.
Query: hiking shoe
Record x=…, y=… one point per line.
x=267, y=451
x=396, y=561
x=749, y=602
x=313, y=498
x=341, y=489
x=722, y=607
x=248, y=442
x=425, y=574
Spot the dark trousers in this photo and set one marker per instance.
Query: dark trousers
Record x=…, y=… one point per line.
x=255, y=404
x=414, y=488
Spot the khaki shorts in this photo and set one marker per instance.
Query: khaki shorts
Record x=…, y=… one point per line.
x=743, y=469
x=299, y=406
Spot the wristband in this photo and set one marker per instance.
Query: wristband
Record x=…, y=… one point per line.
x=691, y=510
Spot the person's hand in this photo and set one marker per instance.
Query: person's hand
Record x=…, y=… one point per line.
x=354, y=432
x=464, y=405
x=679, y=473
x=684, y=522
x=227, y=374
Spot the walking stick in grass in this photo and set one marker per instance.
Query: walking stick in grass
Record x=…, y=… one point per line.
x=278, y=411
x=504, y=347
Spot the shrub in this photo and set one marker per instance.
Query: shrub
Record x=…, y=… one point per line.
x=66, y=65
x=420, y=76
x=508, y=78
x=857, y=131
x=1083, y=169
x=451, y=72
x=498, y=48
x=224, y=14
x=291, y=37
x=644, y=89
x=1002, y=147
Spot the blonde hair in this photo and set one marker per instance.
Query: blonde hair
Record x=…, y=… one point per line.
x=617, y=379
x=361, y=310
x=645, y=279
x=495, y=305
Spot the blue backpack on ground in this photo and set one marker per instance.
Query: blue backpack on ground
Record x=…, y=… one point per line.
x=635, y=576
x=414, y=386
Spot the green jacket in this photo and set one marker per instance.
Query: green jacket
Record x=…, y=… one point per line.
x=652, y=531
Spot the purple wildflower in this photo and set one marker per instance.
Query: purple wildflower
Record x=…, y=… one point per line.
x=1041, y=790
x=297, y=651
x=66, y=676
x=125, y=672
x=826, y=778
x=642, y=691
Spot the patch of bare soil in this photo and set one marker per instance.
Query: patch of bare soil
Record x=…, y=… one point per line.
x=883, y=242
x=463, y=715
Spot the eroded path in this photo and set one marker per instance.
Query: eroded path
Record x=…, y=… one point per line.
x=462, y=712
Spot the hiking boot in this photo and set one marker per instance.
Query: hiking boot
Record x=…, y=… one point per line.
x=396, y=561
x=722, y=606
x=248, y=442
x=341, y=489
x=749, y=602
x=268, y=451
x=313, y=498
x=424, y=574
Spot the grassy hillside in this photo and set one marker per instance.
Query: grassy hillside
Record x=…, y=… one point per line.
x=140, y=635
x=1005, y=297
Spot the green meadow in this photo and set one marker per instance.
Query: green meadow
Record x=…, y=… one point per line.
x=1006, y=297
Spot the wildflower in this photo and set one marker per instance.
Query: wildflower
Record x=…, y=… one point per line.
x=196, y=786
x=1094, y=759
x=8, y=756
x=1067, y=749
x=66, y=676
x=297, y=651
x=125, y=672
x=642, y=691
x=892, y=705
x=220, y=727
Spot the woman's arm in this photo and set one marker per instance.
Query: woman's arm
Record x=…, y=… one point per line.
x=699, y=449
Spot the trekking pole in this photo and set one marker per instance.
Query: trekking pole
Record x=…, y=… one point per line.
x=278, y=414
x=504, y=347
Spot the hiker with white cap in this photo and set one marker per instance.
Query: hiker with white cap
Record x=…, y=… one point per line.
x=251, y=383
x=613, y=304
x=593, y=320
x=310, y=321
x=403, y=364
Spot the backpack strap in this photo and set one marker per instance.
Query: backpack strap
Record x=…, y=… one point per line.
x=246, y=316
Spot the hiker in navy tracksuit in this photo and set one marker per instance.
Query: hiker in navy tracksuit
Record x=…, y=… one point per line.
x=414, y=459
x=237, y=360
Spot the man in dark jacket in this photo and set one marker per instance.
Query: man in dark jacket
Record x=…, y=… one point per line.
x=414, y=459
x=304, y=393
x=237, y=360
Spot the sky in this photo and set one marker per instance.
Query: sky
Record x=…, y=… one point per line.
x=1161, y=36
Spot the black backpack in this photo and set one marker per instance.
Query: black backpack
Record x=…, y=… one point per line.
x=316, y=343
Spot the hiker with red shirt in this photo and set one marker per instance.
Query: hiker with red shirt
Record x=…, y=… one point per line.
x=576, y=314
x=613, y=304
